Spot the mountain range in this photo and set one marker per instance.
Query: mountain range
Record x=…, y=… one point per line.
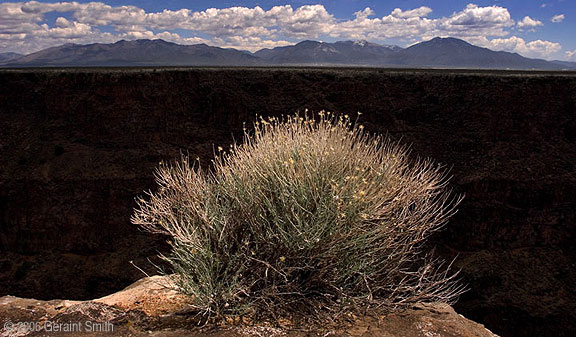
x=135, y=53
x=435, y=53
x=5, y=57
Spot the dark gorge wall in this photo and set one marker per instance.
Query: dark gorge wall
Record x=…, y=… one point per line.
x=76, y=148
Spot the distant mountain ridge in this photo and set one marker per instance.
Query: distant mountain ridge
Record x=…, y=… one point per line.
x=4, y=57
x=566, y=64
x=435, y=53
x=451, y=52
x=342, y=52
x=135, y=53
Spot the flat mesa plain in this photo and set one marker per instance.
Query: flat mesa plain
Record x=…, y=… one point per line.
x=500, y=72
x=77, y=145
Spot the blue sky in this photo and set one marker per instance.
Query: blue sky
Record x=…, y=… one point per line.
x=542, y=29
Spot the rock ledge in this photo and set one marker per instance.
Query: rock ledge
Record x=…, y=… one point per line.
x=150, y=307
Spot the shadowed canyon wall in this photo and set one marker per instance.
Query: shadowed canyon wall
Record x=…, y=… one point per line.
x=77, y=146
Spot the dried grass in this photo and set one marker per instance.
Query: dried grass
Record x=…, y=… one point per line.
x=309, y=213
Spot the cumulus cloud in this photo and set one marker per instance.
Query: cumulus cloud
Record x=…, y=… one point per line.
x=571, y=54
x=366, y=12
x=474, y=16
x=537, y=48
x=308, y=20
x=398, y=24
x=414, y=13
x=414, y=25
x=475, y=21
x=23, y=26
x=528, y=22
x=558, y=18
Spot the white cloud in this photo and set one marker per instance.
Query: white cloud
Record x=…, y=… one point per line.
x=306, y=21
x=413, y=25
x=309, y=20
x=474, y=16
x=558, y=18
x=71, y=30
x=399, y=24
x=537, y=48
x=475, y=21
x=414, y=13
x=35, y=7
x=366, y=12
x=528, y=22
x=100, y=14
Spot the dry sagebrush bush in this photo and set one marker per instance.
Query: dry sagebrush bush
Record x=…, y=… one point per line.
x=308, y=212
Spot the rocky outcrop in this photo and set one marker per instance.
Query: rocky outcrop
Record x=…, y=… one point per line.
x=77, y=146
x=150, y=307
